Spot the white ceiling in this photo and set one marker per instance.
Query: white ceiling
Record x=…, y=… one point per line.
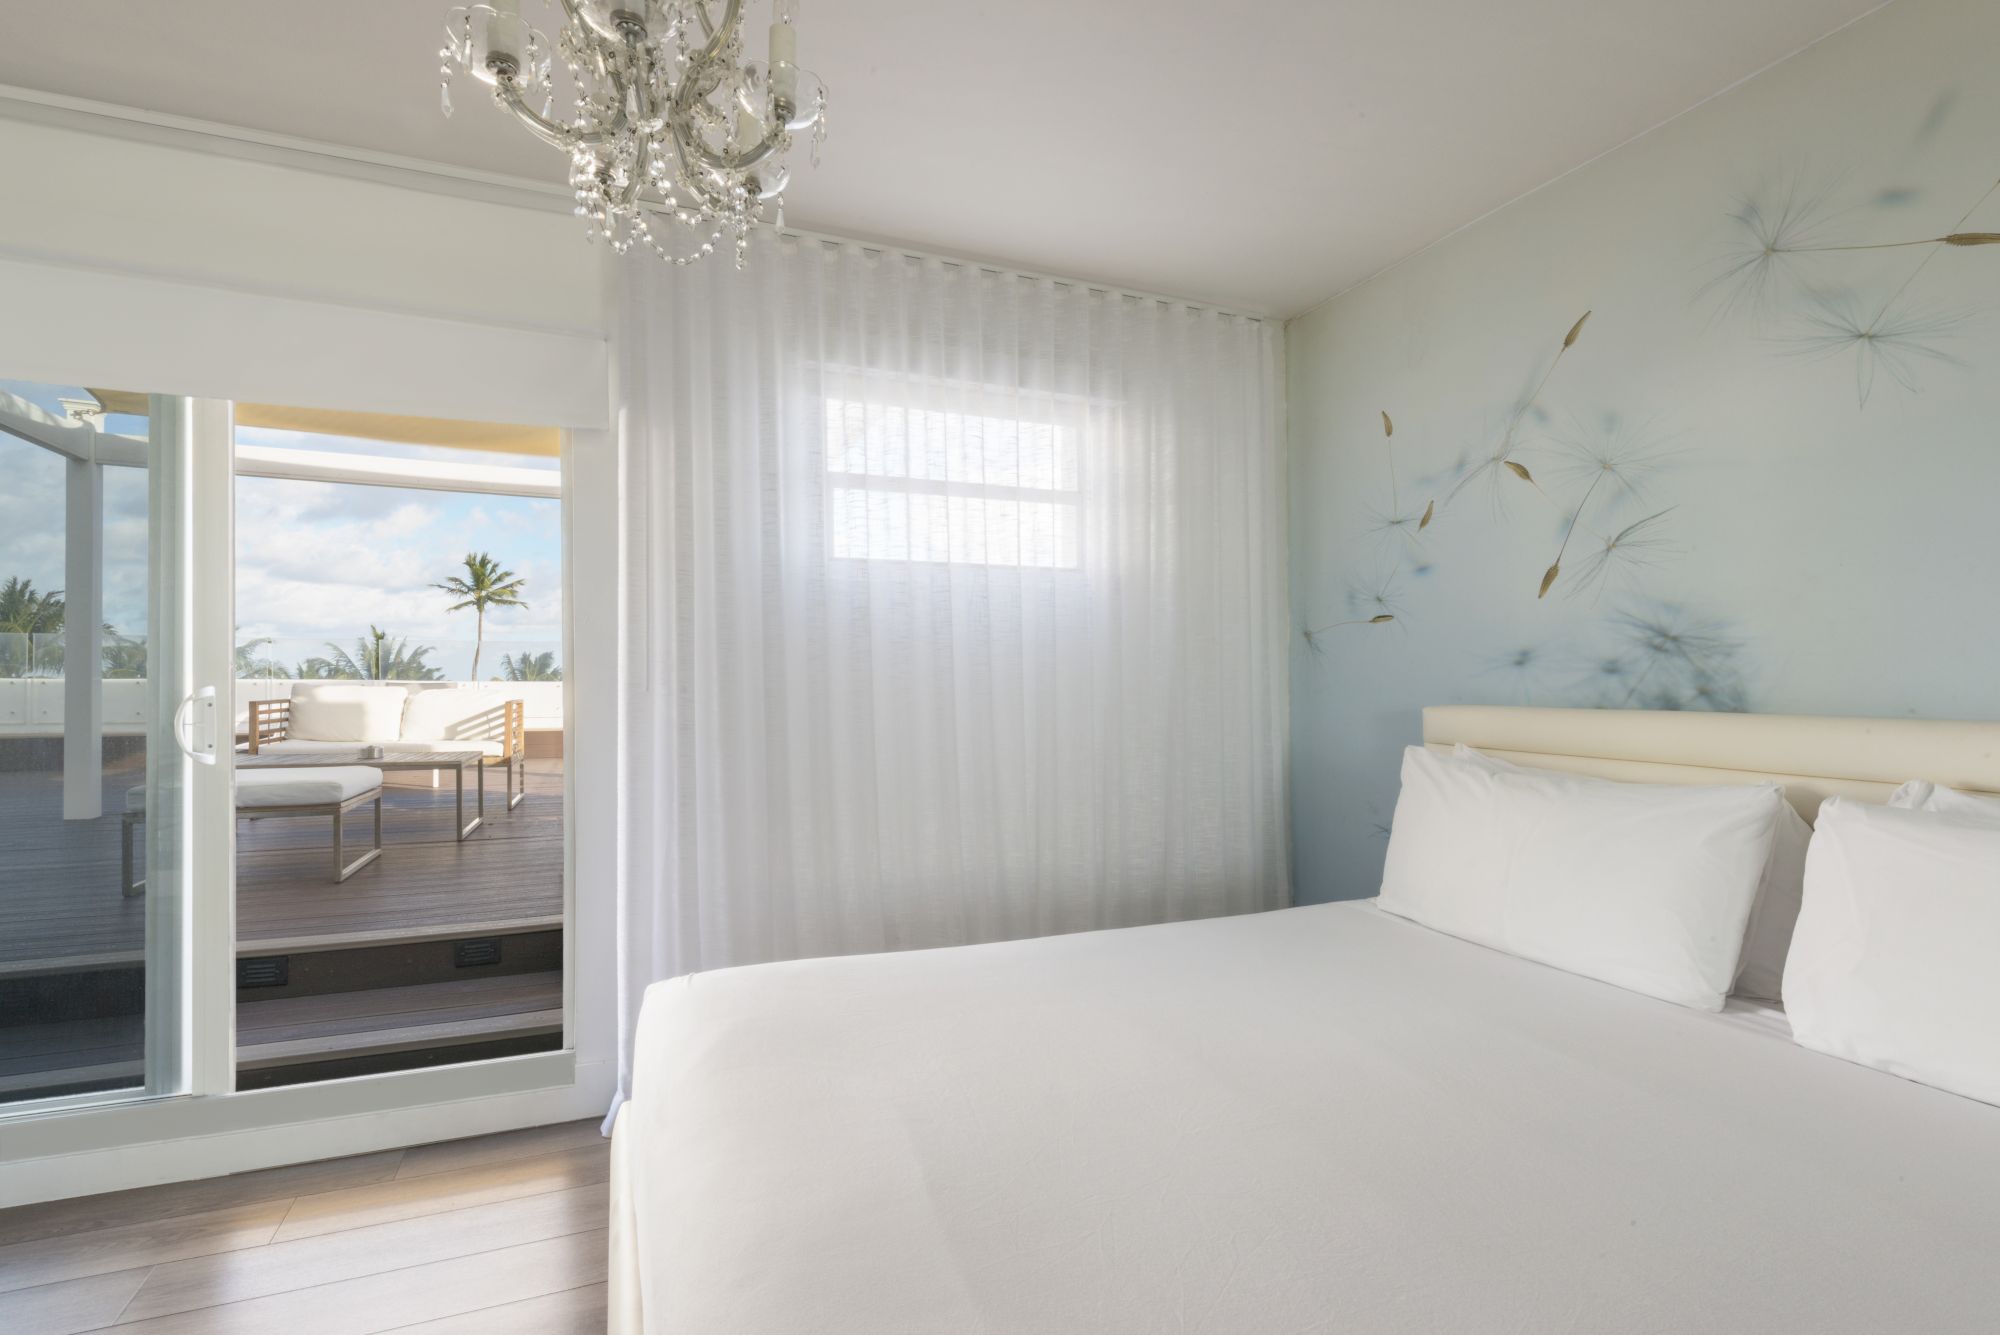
x=1257, y=155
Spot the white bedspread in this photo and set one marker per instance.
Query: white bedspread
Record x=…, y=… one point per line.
x=1323, y=1119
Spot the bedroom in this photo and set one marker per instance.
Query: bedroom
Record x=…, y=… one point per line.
x=980, y=654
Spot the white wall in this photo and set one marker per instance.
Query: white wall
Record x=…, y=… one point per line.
x=180, y=266
x=1799, y=547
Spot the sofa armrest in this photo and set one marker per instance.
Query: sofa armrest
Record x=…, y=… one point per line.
x=270, y=721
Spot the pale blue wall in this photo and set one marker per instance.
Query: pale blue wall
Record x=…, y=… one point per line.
x=1812, y=553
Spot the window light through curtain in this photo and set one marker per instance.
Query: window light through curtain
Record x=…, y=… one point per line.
x=955, y=609
x=912, y=482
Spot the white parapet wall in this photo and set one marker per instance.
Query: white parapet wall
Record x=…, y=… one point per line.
x=33, y=706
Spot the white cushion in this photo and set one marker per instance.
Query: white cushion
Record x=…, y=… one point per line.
x=1647, y=886
x=346, y=712
x=304, y=746
x=455, y=714
x=1893, y=963
x=317, y=786
x=1920, y=795
x=1761, y=970
x=294, y=746
x=491, y=749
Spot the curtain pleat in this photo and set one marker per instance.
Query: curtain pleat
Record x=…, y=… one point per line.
x=954, y=609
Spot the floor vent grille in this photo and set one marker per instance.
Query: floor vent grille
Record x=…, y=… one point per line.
x=268, y=971
x=469, y=954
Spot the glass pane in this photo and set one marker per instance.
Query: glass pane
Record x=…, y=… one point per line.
x=89, y=816
x=400, y=909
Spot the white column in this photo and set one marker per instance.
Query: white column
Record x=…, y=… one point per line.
x=83, y=659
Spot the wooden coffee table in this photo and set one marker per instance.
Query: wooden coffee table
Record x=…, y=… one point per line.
x=392, y=758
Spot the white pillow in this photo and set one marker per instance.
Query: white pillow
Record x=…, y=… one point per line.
x=455, y=714
x=346, y=712
x=1920, y=795
x=1767, y=940
x=1894, y=961
x=1643, y=885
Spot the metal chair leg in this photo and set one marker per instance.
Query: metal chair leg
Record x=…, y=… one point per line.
x=342, y=868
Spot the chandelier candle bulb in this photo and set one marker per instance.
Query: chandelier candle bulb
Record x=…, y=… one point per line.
x=784, y=61
x=505, y=37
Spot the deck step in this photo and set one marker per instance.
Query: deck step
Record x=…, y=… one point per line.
x=289, y=1031
x=336, y=1025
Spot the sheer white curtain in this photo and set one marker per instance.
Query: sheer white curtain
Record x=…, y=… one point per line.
x=955, y=609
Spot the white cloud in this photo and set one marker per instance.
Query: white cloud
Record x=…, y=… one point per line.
x=315, y=561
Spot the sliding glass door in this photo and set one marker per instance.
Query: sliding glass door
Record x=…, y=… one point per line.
x=99, y=719
x=315, y=833
x=400, y=863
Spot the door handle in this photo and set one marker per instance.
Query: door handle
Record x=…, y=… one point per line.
x=194, y=726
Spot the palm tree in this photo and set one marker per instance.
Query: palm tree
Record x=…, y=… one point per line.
x=376, y=658
x=483, y=585
x=123, y=656
x=26, y=613
x=249, y=663
x=529, y=667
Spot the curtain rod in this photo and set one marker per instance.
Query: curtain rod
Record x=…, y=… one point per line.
x=1003, y=271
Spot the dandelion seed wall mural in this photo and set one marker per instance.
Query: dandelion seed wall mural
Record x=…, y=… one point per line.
x=1762, y=473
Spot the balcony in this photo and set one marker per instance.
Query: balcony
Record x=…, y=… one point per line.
x=439, y=950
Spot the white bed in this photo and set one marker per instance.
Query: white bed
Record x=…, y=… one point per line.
x=1321, y=1119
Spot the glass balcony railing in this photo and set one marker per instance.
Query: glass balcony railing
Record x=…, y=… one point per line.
x=381, y=656
x=32, y=673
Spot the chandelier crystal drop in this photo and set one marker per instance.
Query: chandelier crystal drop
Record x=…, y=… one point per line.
x=676, y=142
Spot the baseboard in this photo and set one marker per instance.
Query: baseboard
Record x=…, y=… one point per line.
x=288, y=1134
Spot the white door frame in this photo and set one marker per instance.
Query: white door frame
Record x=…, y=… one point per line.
x=101, y=1144
x=211, y=827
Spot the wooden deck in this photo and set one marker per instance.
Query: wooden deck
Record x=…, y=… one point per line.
x=61, y=909
x=372, y=983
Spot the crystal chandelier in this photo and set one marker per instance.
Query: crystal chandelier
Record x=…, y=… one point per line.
x=673, y=132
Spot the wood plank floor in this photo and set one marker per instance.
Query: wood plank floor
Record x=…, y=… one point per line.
x=494, y=1234
x=61, y=908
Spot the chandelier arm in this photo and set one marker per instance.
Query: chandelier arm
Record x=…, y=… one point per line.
x=691, y=182
x=536, y=124
x=573, y=15
x=724, y=162
x=683, y=106
x=641, y=86
x=548, y=131
x=719, y=35
x=707, y=23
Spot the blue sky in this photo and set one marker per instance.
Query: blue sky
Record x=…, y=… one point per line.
x=315, y=561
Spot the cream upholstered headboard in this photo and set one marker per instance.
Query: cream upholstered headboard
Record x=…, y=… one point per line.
x=1815, y=758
